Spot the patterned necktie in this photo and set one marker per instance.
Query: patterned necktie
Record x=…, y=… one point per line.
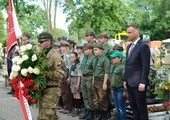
x=85, y=61
x=130, y=49
x=95, y=64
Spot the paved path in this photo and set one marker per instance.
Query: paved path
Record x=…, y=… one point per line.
x=10, y=107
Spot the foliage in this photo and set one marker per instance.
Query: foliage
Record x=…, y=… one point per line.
x=100, y=15
x=30, y=16
x=29, y=68
x=2, y=30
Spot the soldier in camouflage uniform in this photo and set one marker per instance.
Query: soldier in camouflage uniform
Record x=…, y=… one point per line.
x=86, y=83
x=55, y=72
x=101, y=66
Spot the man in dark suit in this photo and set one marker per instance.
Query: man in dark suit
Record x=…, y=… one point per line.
x=136, y=73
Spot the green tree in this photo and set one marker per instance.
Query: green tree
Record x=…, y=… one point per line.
x=30, y=16
x=2, y=30
x=100, y=15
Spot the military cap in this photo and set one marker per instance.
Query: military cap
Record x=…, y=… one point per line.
x=117, y=54
x=91, y=33
x=62, y=38
x=71, y=41
x=103, y=35
x=98, y=45
x=26, y=34
x=87, y=46
x=79, y=46
x=45, y=35
x=118, y=47
x=64, y=43
x=56, y=44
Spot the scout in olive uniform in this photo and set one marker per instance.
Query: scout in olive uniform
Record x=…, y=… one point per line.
x=80, y=53
x=103, y=38
x=65, y=83
x=107, y=51
x=116, y=79
x=86, y=83
x=26, y=39
x=90, y=36
x=101, y=65
x=55, y=72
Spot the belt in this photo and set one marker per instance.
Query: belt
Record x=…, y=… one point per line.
x=73, y=76
x=87, y=75
x=51, y=86
x=99, y=78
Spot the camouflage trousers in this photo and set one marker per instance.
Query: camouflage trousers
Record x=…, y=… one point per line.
x=47, y=108
x=99, y=96
x=86, y=88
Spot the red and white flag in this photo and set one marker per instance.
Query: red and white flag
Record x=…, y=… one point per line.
x=14, y=31
x=24, y=103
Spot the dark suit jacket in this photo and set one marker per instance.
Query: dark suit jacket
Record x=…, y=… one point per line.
x=137, y=65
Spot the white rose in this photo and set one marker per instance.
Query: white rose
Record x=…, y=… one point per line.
x=15, y=59
x=24, y=72
x=34, y=57
x=25, y=57
x=19, y=62
x=23, y=48
x=29, y=46
x=30, y=69
x=13, y=74
x=36, y=71
x=16, y=68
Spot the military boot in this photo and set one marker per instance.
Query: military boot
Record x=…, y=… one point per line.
x=104, y=115
x=84, y=114
x=90, y=116
x=97, y=115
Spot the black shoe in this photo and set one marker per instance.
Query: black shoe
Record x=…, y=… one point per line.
x=11, y=92
x=84, y=114
x=90, y=116
x=97, y=115
x=104, y=115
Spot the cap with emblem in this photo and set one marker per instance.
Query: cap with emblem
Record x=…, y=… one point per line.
x=56, y=44
x=117, y=54
x=64, y=43
x=45, y=35
x=98, y=45
x=79, y=46
x=87, y=46
x=91, y=33
x=103, y=35
x=118, y=47
x=71, y=41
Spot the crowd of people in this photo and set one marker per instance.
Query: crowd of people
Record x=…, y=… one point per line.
x=97, y=77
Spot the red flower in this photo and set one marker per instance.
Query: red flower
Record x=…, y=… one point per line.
x=28, y=83
x=166, y=104
x=26, y=91
x=14, y=81
x=33, y=101
x=35, y=87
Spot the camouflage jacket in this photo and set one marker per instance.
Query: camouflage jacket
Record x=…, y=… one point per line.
x=56, y=69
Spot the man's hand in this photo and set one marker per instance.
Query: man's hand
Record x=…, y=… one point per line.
x=124, y=85
x=141, y=87
x=104, y=86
